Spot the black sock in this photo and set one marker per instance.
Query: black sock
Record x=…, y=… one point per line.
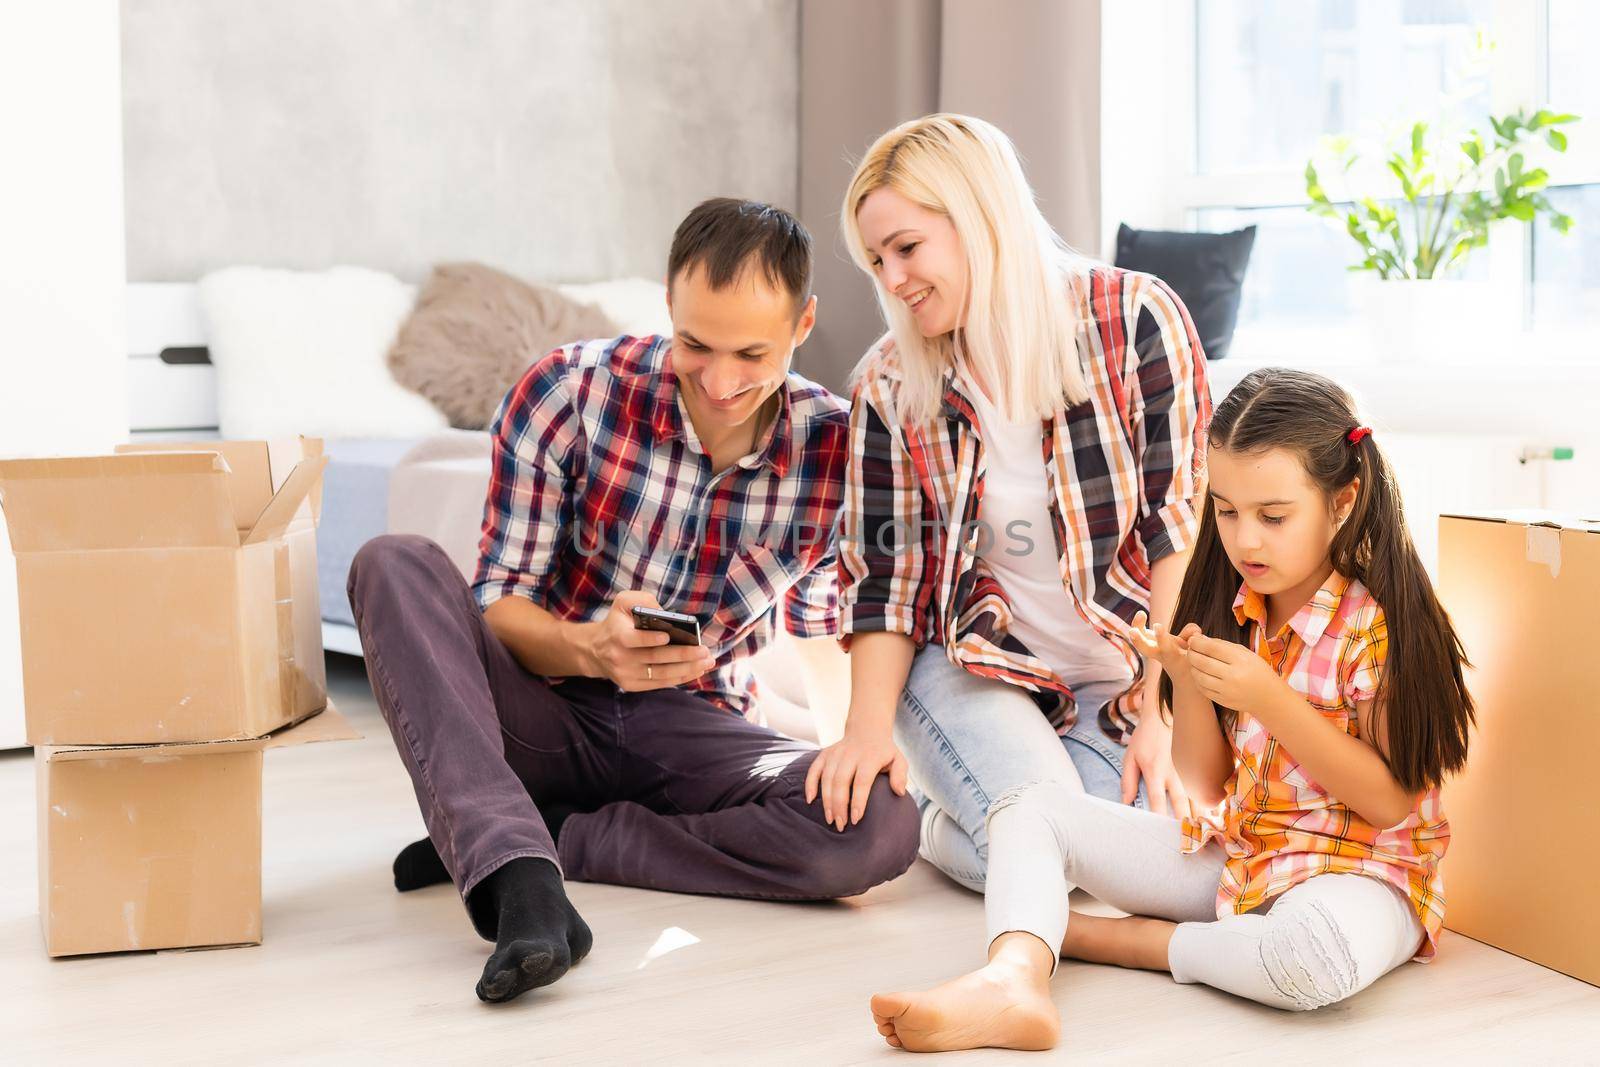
x=538, y=933
x=419, y=865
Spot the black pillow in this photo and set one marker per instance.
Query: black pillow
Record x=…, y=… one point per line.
x=1206, y=270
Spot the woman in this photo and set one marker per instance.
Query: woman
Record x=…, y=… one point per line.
x=1026, y=448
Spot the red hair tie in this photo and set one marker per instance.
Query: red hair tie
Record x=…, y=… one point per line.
x=1356, y=435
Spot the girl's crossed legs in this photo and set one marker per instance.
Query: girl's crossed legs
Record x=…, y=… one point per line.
x=1315, y=944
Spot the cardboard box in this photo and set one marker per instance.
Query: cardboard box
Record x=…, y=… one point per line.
x=168, y=596
x=156, y=846
x=1521, y=868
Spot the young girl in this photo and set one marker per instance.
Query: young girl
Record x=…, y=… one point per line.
x=1316, y=690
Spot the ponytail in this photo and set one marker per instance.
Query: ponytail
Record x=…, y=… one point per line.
x=1422, y=705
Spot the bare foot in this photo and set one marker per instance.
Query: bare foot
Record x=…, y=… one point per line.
x=999, y=1006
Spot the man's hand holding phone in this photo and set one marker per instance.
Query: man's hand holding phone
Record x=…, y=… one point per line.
x=639, y=660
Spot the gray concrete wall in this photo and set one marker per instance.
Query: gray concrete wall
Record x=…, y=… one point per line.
x=559, y=139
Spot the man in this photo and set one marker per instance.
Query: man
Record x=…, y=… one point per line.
x=546, y=734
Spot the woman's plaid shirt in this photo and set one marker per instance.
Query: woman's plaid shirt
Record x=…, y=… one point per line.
x=600, y=486
x=1124, y=469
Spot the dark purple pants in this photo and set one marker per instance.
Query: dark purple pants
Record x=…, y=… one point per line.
x=673, y=793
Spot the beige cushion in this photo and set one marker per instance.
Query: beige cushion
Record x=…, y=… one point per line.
x=473, y=332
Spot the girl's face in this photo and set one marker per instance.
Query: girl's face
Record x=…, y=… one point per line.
x=917, y=257
x=1276, y=524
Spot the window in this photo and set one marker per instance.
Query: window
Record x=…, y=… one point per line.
x=1274, y=77
x=1270, y=79
x=1566, y=268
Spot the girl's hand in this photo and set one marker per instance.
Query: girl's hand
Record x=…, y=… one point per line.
x=1154, y=642
x=843, y=773
x=1233, y=676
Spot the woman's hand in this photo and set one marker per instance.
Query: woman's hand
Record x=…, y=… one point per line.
x=1149, y=757
x=1231, y=675
x=843, y=773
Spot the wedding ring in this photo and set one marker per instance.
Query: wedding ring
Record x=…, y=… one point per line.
x=649, y=672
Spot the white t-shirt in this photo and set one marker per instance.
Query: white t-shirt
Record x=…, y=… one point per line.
x=1015, y=512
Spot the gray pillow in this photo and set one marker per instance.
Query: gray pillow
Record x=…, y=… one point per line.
x=474, y=330
x=1206, y=270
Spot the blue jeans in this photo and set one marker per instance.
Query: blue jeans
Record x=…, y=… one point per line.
x=969, y=739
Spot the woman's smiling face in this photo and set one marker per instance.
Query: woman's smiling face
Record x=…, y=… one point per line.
x=917, y=256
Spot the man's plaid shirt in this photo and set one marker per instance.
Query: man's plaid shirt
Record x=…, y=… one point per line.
x=600, y=486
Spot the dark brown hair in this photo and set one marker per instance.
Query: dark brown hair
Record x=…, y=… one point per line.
x=725, y=237
x=1422, y=701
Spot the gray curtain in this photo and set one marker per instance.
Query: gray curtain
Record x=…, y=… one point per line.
x=1031, y=67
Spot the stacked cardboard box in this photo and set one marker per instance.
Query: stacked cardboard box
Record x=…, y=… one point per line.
x=171, y=632
x=1521, y=869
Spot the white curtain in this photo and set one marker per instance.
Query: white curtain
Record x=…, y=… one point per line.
x=1031, y=67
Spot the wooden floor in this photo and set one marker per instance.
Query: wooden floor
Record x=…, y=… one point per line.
x=351, y=970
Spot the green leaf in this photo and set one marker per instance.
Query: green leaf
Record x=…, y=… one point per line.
x=1406, y=187
x=1514, y=167
x=1314, y=188
x=1417, y=132
x=1500, y=183
x=1473, y=150
x=1561, y=223
x=1557, y=139
x=1520, y=209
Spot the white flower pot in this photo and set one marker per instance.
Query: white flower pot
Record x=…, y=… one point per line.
x=1435, y=321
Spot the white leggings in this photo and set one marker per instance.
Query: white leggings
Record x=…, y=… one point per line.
x=1320, y=942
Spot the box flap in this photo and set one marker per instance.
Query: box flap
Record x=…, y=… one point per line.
x=155, y=500
x=260, y=468
x=301, y=483
x=285, y=455
x=325, y=725
x=1535, y=517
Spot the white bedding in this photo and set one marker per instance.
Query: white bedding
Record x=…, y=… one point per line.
x=437, y=490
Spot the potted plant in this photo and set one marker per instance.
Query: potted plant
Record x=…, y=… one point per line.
x=1451, y=192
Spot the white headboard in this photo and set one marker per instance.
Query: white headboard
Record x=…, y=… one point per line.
x=168, y=397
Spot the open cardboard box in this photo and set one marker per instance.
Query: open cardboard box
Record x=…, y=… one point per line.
x=168, y=593
x=156, y=846
x=1522, y=590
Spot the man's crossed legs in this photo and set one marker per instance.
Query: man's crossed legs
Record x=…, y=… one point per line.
x=521, y=782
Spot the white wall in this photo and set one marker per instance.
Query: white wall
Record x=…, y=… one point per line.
x=61, y=259
x=62, y=271
x=561, y=140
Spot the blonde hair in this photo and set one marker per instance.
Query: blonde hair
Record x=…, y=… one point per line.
x=1020, y=328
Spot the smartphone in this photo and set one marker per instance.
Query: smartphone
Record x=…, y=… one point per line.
x=680, y=628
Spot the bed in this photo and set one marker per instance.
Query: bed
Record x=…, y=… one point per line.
x=431, y=485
